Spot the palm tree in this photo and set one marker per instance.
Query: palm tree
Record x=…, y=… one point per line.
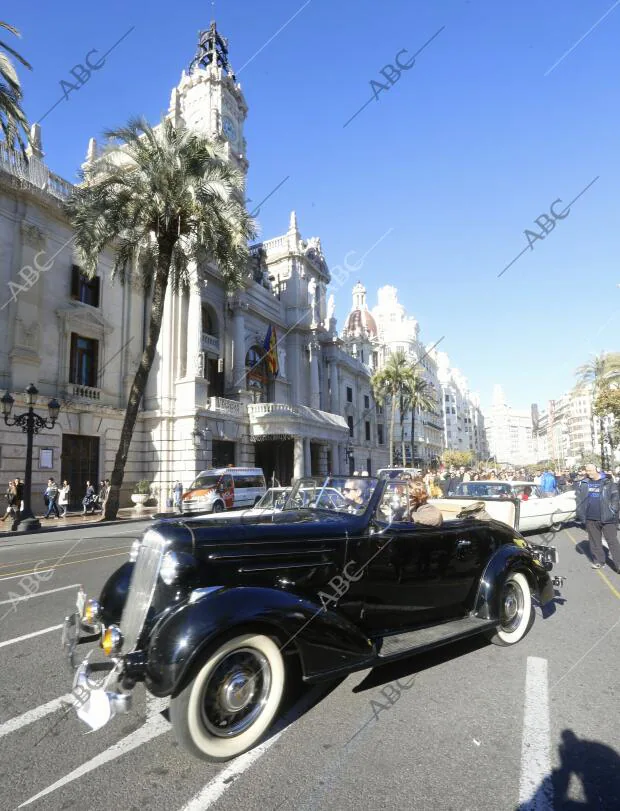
x=164, y=199
x=420, y=395
x=12, y=118
x=388, y=384
x=602, y=372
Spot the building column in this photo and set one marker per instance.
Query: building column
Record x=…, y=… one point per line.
x=193, y=328
x=238, y=381
x=307, y=457
x=335, y=447
x=298, y=457
x=315, y=386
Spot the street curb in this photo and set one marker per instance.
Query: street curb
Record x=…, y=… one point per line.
x=35, y=535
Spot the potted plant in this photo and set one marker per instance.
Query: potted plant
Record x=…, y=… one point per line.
x=141, y=493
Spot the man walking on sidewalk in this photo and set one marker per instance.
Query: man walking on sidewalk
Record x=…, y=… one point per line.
x=597, y=508
x=52, y=497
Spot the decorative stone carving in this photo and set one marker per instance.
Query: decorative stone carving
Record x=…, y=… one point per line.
x=313, y=301
x=27, y=336
x=33, y=235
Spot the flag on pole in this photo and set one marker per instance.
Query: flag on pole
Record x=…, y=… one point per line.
x=271, y=349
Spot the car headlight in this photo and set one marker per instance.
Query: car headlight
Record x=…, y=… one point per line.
x=170, y=568
x=112, y=640
x=135, y=548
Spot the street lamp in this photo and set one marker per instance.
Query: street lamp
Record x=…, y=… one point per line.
x=30, y=423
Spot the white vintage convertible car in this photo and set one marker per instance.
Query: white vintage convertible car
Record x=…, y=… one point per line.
x=536, y=512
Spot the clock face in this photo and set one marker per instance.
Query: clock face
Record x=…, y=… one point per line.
x=230, y=131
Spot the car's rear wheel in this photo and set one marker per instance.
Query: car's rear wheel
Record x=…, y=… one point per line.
x=232, y=699
x=218, y=507
x=516, y=613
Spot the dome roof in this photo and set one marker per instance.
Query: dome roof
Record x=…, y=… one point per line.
x=360, y=322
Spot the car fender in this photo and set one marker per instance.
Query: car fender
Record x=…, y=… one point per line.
x=509, y=558
x=114, y=594
x=325, y=640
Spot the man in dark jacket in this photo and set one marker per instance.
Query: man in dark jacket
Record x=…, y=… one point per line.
x=597, y=508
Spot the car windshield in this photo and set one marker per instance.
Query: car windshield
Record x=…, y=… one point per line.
x=274, y=497
x=343, y=494
x=489, y=489
x=202, y=482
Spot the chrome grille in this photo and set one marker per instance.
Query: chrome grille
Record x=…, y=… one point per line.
x=141, y=588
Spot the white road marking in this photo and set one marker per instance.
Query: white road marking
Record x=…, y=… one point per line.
x=214, y=789
x=34, y=573
x=535, y=786
x=31, y=716
x=29, y=636
x=153, y=727
x=38, y=594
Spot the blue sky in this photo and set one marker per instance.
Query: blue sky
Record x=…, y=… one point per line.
x=447, y=168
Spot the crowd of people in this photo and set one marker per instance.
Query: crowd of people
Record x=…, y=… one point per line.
x=56, y=498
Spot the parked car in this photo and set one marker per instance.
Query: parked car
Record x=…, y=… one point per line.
x=221, y=621
x=535, y=513
x=224, y=488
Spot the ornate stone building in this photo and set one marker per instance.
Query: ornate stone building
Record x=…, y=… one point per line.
x=211, y=399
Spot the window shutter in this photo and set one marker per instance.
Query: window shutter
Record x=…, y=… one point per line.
x=96, y=282
x=75, y=281
x=72, y=358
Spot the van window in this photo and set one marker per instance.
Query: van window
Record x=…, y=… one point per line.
x=204, y=481
x=249, y=480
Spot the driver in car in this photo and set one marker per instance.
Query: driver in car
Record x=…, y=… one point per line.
x=356, y=495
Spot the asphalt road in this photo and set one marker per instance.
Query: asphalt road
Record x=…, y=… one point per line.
x=472, y=726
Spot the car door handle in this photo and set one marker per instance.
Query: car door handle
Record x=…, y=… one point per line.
x=462, y=543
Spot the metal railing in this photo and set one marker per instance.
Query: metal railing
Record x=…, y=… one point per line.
x=35, y=172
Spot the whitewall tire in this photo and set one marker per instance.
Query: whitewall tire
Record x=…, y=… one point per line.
x=232, y=699
x=516, y=611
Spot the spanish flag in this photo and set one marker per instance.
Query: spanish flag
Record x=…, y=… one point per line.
x=271, y=351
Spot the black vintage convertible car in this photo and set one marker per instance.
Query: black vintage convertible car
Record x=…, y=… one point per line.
x=219, y=615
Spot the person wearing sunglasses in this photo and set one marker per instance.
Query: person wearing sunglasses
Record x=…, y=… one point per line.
x=355, y=493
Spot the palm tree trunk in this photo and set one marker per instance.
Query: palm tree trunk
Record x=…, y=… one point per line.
x=138, y=386
x=392, y=417
x=413, y=436
x=401, y=416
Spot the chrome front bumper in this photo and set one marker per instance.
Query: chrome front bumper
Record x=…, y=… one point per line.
x=96, y=700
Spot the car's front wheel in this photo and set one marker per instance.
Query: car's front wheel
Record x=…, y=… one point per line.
x=232, y=699
x=516, y=613
x=218, y=507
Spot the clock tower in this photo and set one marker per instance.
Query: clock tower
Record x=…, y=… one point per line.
x=209, y=100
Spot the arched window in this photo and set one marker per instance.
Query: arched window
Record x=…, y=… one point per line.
x=256, y=374
x=209, y=321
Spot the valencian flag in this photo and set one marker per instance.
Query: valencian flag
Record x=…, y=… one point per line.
x=271, y=352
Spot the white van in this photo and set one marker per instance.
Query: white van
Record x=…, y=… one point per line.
x=224, y=488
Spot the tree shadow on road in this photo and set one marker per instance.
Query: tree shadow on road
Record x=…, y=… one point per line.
x=596, y=767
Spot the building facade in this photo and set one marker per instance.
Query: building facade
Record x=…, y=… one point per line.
x=211, y=399
x=509, y=432
x=464, y=424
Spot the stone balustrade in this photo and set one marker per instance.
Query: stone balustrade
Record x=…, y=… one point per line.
x=34, y=171
x=210, y=343
x=84, y=392
x=232, y=407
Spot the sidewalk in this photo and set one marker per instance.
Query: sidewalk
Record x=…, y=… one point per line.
x=76, y=519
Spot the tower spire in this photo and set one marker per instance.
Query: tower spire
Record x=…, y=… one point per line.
x=212, y=50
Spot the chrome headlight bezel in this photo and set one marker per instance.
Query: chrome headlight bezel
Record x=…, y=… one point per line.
x=170, y=568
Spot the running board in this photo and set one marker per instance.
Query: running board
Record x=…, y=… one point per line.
x=432, y=636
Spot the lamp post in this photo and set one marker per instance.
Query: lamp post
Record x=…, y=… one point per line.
x=30, y=423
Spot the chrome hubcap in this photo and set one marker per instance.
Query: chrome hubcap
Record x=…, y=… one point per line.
x=513, y=606
x=235, y=693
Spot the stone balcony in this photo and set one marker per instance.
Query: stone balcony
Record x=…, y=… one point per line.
x=75, y=391
x=282, y=419
x=35, y=172
x=232, y=408
x=210, y=343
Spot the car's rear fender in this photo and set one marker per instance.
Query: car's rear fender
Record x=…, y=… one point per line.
x=324, y=640
x=510, y=558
